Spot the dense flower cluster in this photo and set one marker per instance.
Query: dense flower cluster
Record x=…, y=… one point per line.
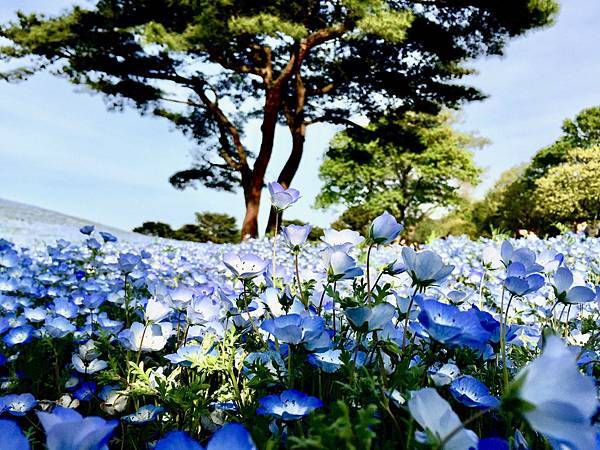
x=354, y=343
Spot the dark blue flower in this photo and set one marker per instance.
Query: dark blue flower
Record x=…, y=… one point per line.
x=12, y=436
x=289, y=405
x=108, y=237
x=232, y=436
x=178, y=440
x=87, y=229
x=493, y=443
x=473, y=393
x=449, y=325
x=85, y=392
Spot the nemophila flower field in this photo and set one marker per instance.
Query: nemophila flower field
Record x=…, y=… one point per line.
x=355, y=342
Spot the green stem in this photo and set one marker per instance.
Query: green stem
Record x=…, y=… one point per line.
x=300, y=294
x=369, y=273
x=405, y=330
x=275, y=243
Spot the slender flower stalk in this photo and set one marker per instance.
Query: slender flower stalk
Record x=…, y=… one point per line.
x=274, y=269
x=369, y=272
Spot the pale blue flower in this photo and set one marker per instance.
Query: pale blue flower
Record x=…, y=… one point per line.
x=295, y=236
x=559, y=401
x=384, y=229
x=245, y=266
x=567, y=293
x=282, y=198
x=439, y=421
x=425, y=268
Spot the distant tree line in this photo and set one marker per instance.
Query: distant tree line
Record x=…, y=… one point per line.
x=209, y=227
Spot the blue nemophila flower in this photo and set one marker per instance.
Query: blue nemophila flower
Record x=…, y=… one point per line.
x=289, y=405
x=85, y=391
x=395, y=268
x=556, y=398
x=344, y=239
x=449, y=325
x=444, y=375
x=232, y=436
x=299, y=329
x=328, y=361
x=156, y=310
x=295, y=236
x=366, y=318
x=340, y=265
x=519, y=283
x=473, y=393
x=144, y=414
x=425, y=268
x=17, y=404
x=35, y=314
x=128, y=262
x=439, y=422
x=245, y=266
x=148, y=338
x=493, y=443
x=523, y=256
x=63, y=307
x=108, y=237
x=282, y=198
x=178, y=440
x=87, y=229
x=190, y=355
x=66, y=429
x=563, y=280
x=86, y=359
x=384, y=229
x=58, y=327
x=12, y=436
x=114, y=401
x=19, y=335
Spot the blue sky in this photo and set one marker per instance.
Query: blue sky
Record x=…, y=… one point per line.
x=62, y=150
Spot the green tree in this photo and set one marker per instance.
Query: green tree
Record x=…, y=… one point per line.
x=217, y=228
x=409, y=165
x=158, y=229
x=209, y=227
x=526, y=197
x=570, y=192
x=210, y=66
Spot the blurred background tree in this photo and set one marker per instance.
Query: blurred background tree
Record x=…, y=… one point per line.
x=411, y=165
x=210, y=66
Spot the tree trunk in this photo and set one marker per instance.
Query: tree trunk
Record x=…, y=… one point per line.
x=255, y=180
